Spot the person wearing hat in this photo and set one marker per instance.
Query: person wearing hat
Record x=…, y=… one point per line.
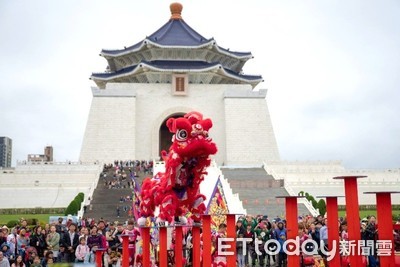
x=280, y=235
x=5, y=248
x=262, y=233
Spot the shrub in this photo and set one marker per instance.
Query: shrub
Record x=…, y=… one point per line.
x=72, y=208
x=321, y=205
x=12, y=223
x=81, y=196
x=314, y=203
x=32, y=221
x=75, y=205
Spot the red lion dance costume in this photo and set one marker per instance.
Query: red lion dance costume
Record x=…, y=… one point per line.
x=177, y=191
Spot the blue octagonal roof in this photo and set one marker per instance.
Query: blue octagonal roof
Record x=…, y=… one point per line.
x=175, y=33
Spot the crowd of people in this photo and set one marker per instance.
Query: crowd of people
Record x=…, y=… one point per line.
x=119, y=174
x=61, y=242
x=313, y=228
x=72, y=242
x=77, y=242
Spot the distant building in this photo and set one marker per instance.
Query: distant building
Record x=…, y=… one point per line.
x=5, y=152
x=46, y=157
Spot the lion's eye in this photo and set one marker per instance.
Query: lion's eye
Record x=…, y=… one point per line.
x=181, y=135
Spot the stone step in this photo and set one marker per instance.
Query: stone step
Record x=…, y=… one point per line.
x=258, y=191
x=106, y=200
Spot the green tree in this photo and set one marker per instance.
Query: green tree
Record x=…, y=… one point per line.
x=72, y=208
x=81, y=196
x=321, y=205
x=314, y=203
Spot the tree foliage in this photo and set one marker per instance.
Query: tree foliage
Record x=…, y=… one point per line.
x=75, y=205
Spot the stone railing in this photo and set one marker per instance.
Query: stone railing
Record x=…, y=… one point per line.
x=24, y=163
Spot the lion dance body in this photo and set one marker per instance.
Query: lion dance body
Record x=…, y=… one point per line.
x=177, y=190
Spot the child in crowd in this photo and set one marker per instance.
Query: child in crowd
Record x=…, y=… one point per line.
x=62, y=254
x=82, y=250
x=48, y=258
x=36, y=262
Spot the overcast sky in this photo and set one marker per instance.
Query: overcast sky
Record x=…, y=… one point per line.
x=331, y=69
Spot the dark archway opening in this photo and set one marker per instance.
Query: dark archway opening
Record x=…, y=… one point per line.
x=165, y=136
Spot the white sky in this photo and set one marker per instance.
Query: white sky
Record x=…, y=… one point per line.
x=331, y=68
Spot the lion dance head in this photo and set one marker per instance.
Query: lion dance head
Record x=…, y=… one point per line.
x=177, y=190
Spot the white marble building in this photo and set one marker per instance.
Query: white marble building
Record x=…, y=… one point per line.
x=173, y=71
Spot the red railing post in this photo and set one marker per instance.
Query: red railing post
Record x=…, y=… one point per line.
x=99, y=257
x=353, y=216
x=385, y=225
x=292, y=227
x=333, y=228
x=178, y=246
x=125, y=250
x=231, y=233
x=163, y=252
x=196, y=246
x=145, y=232
x=206, y=240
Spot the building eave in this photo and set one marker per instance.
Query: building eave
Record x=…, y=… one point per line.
x=147, y=66
x=147, y=43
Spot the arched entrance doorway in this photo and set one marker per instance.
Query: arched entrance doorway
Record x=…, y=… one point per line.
x=165, y=135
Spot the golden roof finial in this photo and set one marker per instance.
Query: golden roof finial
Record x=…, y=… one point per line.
x=176, y=10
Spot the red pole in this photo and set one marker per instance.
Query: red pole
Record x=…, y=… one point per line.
x=145, y=232
x=206, y=241
x=385, y=225
x=231, y=232
x=163, y=253
x=333, y=229
x=99, y=257
x=353, y=216
x=292, y=227
x=178, y=246
x=196, y=246
x=125, y=250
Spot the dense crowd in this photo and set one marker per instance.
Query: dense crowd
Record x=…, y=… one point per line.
x=66, y=241
x=77, y=242
x=309, y=227
x=58, y=243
